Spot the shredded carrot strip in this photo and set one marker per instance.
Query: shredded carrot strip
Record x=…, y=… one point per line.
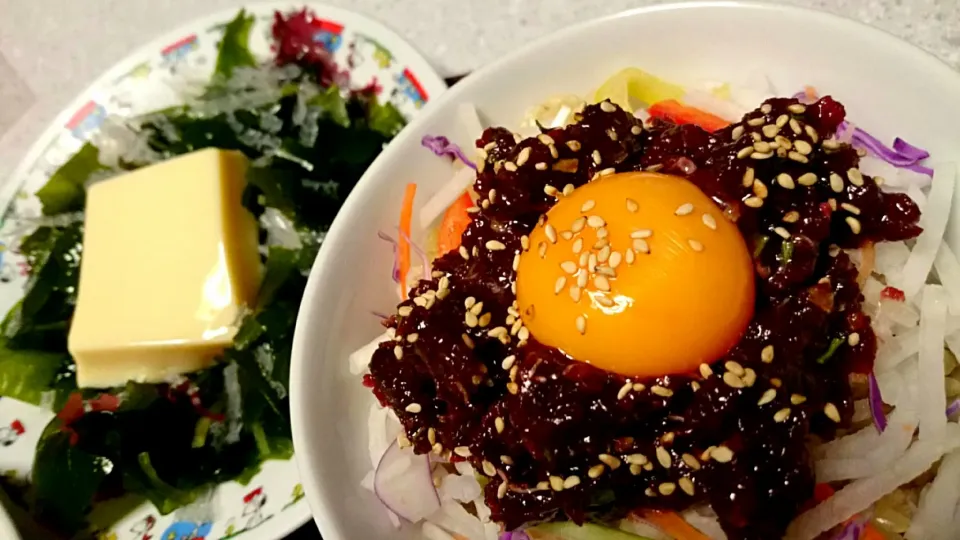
x=678, y=113
x=406, y=216
x=674, y=525
x=868, y=259
x=810, y=92
x=455, y=221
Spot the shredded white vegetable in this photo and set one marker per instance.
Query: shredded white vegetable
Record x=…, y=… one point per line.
x=938, y=503
x=934, y=222
x=933, y=322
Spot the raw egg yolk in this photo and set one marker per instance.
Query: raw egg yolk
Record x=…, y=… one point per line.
x=639, y=274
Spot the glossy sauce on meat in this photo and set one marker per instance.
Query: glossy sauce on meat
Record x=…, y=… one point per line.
x=560, y=439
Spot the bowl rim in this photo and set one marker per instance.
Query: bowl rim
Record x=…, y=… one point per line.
x=327, y=522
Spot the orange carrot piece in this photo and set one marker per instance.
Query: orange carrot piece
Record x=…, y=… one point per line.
x=454, y=223
x=406, y=216
x=674, y=525
x=678, y=113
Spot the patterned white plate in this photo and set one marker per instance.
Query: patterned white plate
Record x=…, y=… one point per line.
x=270, y=505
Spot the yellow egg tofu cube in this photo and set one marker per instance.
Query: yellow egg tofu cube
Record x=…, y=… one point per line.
x=170, y=260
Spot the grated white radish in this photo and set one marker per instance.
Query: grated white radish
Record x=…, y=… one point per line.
x=948, y=271
x=938, y=503
x=890, y=445
x=858, y=495
x=455, y=519
x=897, y=349
x=933, y=399
x=432, y=532
x=934, y=222
x=861, y=443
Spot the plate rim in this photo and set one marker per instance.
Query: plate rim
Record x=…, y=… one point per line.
x=400, y=47
x=325, y=519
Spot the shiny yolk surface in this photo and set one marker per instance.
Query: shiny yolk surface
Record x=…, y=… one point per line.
x=638, y=274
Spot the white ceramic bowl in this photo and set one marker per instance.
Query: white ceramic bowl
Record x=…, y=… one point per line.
x=889, y=87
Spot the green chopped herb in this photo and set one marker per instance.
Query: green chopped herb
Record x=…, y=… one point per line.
x=835, y=344
x=234, y=48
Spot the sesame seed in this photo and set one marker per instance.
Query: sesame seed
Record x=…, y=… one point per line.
x=595, y=222
x=571, y=482
x=795, y=126
x=510, y=166
x=758, y=121
x=477, y=308
x=587, y=206
x=761, y=155
x=734, y=367
x=551, y=233
x=420, y=301
x=831, y=144
x=721, y=454
x=609, y=461
x=624, y=390
x=629, y=256
x=437, y=449
x=850, y=208
x=695, y=245
x=612, y=134
x=766, y=354
x=684, y=209
x=776, y=382
x=791, y=217
x=508, y=362
x=641, y=233
x=803, y=147
x=488, y=468
x=797, y=108
x=762, y=146
x=604, y=254
x=640, y=245
x=550, y=190
x=597, y=159
x=464, y=253
x=566, y=235
x=398, y=352
x=833, y=203
x=748, y=176
x=559, y=285
x=661, y=391
x=516, y=261
x=781, y=415
x=831, y=411
x=553, y=151
x=569, y=267
x=798, y=157
x=705, y=371
x=413, y=408
x=745, y=152
x=602, y=233
x=663, y=457
x=855, y=177
x=667, y=488
x=639, y=387
x=556, y=483
x=523, y=334
x=467, y=340
x=601, y=283
x=462, y=451
x=767, y=396
x=731, y=380
x=404, y=311
x=853, y=339
x=836, y=182
x=686, y=485
x=575, y=293
x=785, y=181
x=632, y=205
x=709, y=221
x=497, y=332
x=608, y=107
x=760, y=189
x=513, y=388
x=471, y=319
x=807, y=179
x=541, y=166
x=737, y=132
x=770, y=131
x=812, y=133
x=545, y=139
x=502, y=490
x=615, y=259
x=581, y=324
x=596, y=471
x=582, y=278
x=607, y=172
x=749, y=377
x=781, y=232
x=782, y=120
x=636, y=130
x=649, y=492
x=854, y=224
x=495, y=245
x=573, y=145
x=766, y=108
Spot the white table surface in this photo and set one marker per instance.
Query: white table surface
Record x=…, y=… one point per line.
x=52, y=49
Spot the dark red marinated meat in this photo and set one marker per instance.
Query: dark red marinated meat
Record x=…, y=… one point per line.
x=733, y=435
